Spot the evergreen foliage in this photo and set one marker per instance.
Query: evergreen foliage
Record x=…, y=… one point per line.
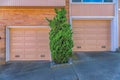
x=61, y=42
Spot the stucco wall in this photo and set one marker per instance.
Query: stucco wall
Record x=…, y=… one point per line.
x=23, y=16
x=92, y=9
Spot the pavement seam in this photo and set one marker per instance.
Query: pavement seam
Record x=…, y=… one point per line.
x=77, y=75
x=53, y=73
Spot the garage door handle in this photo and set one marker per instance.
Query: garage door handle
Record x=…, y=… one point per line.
x=42, y=55
x=103, y=47
x=17, y=55
x=78, y=46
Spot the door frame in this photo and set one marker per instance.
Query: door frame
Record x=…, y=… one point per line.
x=8, y=38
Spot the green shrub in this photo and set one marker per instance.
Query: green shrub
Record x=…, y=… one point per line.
x=61, y=42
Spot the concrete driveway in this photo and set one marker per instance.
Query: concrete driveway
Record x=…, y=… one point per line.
x=89, y=66
x=98, y=66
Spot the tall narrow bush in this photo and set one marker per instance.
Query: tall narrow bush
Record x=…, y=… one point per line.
x=60, y=37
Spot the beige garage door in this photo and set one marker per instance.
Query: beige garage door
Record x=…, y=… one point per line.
x=29, y=44
x=91, y=35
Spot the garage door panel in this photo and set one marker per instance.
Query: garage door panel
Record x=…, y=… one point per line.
x=43, y=32
x=103, y=33
x=33, y=38
x=16, y=41
x=30, y=50
x=44, y=53
x=76, y=26
x=94, y=31
x=76, y=37
x=42, y=42
x=42, y=39
x=103, y=37
x=42, y=50
x=90, y=42
x=78, y=30
x=30, y=55
x=18, y=35
x=46, y=45
x=29, y=43
x=89, y=47
x=16, y=32
x=79, y=42
x=30, y=35
x=17, y=38
x=102, y=42
x=17, y=44
x=30, y=31
x=42, y=36
x=41, y=46
x=30, y=47
x=17, y=47
x=90, y=31
x=17, y=52
x=95, y=27
x=91, y=35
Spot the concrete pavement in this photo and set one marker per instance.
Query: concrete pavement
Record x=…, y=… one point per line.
x=89, y=66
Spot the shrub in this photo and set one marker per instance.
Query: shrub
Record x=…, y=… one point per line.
x=61, y=42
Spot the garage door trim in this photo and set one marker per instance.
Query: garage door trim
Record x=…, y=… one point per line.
x=8, y=38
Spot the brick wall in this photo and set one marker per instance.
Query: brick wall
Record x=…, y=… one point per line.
x=23, y=16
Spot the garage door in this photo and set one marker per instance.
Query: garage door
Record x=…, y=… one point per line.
x=29, y=44
x=91, y=35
